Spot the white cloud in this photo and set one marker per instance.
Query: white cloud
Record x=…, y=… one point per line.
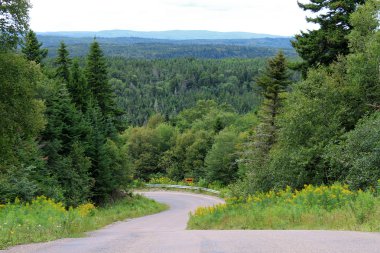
x=282, y=17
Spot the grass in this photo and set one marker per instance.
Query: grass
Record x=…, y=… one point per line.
x=45, y=220
x=326, y=207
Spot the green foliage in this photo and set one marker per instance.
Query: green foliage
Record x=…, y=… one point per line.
x=356, y=159
x=21, y=121
x=363, y=62
x=333, y=207
x=62, y=63
x=32, y=48
x=221, y=162
x=14, y=17
x=62, y=147
x=96, y=74
x=180, y=151
x=145, y=145
x=28, y=222
x=274, y=82
x=186, y=157
x=324, y=45
x=168, y=87
x=78, y=87
x=326, y=105
x=315, y=115
x=21, y=114
x=113, y=172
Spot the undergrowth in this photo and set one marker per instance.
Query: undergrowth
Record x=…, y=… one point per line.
x=325, y=207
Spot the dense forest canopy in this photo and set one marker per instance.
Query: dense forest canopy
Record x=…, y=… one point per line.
x=167, y=87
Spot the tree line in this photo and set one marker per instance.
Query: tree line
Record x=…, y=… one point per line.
x=59, y=128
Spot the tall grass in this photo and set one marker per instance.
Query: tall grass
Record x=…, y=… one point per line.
x=44, y=220
x=326, y=207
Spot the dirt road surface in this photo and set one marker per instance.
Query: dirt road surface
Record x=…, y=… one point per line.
x=165, y=233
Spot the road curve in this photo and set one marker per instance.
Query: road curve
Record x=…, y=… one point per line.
x=165, y=232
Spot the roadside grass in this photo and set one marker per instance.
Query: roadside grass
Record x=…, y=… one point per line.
x=326, y=207
x=45, y=220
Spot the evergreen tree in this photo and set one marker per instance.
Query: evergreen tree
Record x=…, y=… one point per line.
x=78, y=87
x=322, y=46
x=105, y=163
x=63, y=63
x=64, y=142
x=96, y=73
x=32, y=48
x=274, y=81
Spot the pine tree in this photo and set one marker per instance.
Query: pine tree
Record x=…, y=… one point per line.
x=32, y=48
x=63, y=63
x=96, y=73
x=322, y=46
x=274, y=81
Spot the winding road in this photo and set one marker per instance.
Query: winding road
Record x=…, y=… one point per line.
x=166, y=232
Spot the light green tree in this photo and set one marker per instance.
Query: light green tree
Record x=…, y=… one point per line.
x=14, y=18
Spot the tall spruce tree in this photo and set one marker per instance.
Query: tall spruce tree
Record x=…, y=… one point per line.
x=63, y=63
x=322, y=46
x=96, y=73
x=78, y=87
x=274, y=82
x=64, y=141
x=32, y=48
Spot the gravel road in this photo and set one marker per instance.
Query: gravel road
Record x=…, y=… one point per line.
x=165, y=232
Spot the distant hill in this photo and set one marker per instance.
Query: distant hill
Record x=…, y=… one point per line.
x=162, y=49
x=165, y=35
x=49, y=40
x=170, y=44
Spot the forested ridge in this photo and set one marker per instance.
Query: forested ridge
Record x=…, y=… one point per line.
x=167, y=50
x=82, y=129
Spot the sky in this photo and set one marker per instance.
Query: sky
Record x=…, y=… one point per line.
x=278, y=17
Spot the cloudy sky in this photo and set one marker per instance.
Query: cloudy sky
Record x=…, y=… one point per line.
x=280, y=17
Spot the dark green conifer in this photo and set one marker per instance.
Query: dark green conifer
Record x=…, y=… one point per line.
x=96, y=73
x=64, y=141
x=322, y=46
x=78, y=87
x=63, y=63
x=274, y=81
x=32, y=48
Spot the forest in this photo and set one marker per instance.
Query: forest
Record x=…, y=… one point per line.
x=79, y=127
